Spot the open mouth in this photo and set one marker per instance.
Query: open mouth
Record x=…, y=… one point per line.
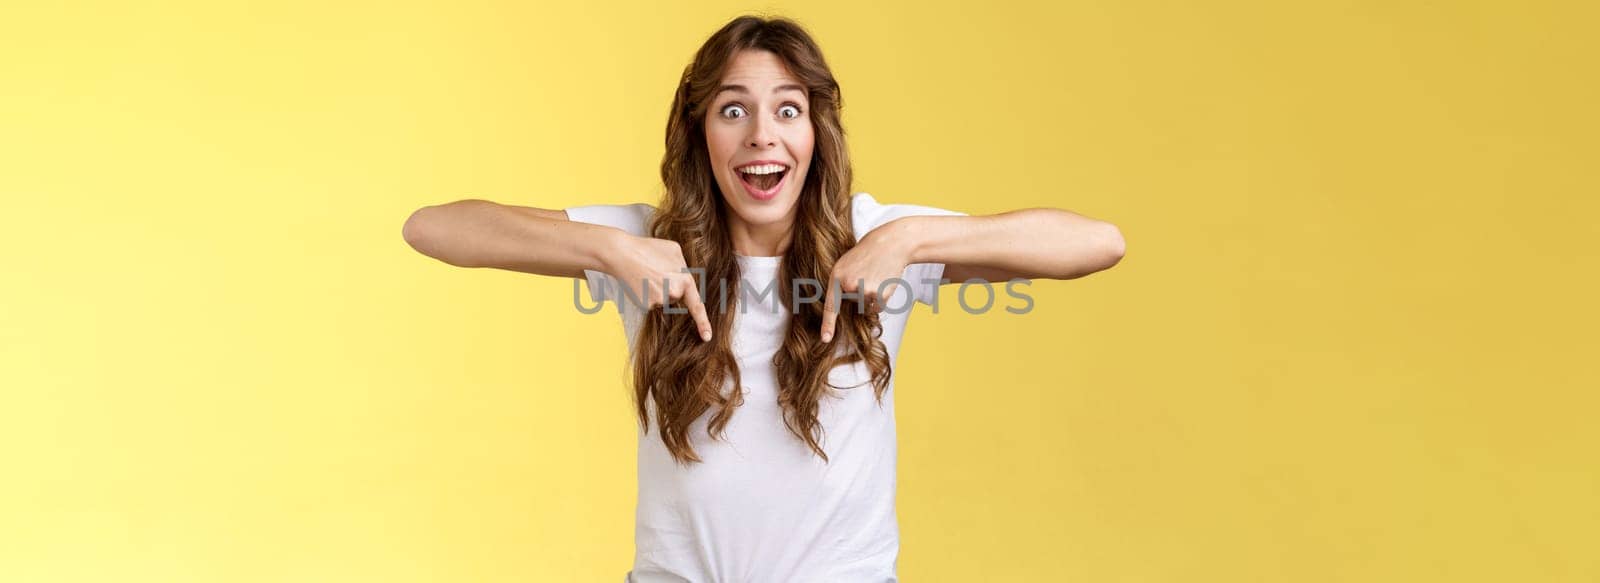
x=762, y=177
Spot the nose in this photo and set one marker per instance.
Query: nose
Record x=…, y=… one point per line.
x=761, y=134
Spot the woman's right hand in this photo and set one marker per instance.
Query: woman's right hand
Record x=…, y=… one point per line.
x=654, y=271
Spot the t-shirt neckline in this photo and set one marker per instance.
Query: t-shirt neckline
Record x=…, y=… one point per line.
x=757, y=260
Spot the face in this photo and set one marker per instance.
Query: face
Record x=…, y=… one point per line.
x=758, y=131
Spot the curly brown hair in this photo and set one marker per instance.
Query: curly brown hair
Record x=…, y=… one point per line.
x=671, y=365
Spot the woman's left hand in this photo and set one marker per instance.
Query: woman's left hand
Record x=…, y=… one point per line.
x=871, y=269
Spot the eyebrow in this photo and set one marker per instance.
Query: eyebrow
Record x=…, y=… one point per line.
x=743, y=89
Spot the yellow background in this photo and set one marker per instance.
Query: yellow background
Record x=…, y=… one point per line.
x=1353, y=338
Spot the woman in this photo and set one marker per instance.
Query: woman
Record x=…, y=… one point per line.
x=791, y=476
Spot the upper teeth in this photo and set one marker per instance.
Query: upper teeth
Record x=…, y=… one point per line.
x=762, y=169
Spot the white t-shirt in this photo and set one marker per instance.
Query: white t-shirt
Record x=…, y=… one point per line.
x=762, y=507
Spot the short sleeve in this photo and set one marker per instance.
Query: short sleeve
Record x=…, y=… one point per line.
x=633, y=219
x=867, y=214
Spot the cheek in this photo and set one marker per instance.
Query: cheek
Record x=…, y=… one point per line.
x=723, y=141
x=801, y=145
x=720, y=151
x=805, y=140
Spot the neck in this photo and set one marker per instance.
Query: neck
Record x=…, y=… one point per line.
x=768, y=240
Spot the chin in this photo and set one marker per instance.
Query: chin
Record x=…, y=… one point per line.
x=764, y=214
x=767, y=214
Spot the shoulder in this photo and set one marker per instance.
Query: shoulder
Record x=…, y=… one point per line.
x=633, y=218
x=867, y=213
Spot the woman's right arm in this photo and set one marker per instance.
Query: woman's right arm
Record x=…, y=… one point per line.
x=481, y=233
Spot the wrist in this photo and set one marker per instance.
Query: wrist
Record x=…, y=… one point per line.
x=909, y=237
x=610, y=246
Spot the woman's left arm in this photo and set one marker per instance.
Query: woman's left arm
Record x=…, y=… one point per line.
x=1033, y=243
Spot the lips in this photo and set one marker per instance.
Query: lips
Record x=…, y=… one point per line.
x=763, y=179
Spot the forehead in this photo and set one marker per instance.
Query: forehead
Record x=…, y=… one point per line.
x=758, y=70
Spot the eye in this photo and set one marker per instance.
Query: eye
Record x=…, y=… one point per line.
x=788, y=112
x=729, y=110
